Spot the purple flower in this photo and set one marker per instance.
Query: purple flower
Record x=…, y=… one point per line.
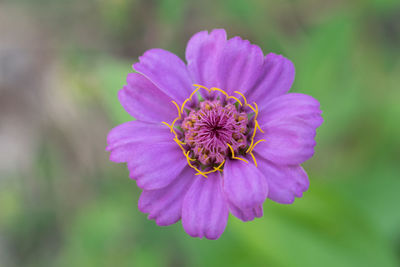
x=219, y=134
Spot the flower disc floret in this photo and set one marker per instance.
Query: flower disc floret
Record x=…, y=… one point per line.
x=215, y=128
x=209, y=130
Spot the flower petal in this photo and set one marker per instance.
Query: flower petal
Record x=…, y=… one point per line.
x=165, y=205
x=144, y=101
x=155, y=166
x=154, y=159
x=285, y=182
x=203, y=51
x=205, y=211
x=122, y=138
x=275, y=79
x=246, y=214
x=244, y=185
x=167, y=71
x=293, y=105
x=240, y=65
x=289, y=122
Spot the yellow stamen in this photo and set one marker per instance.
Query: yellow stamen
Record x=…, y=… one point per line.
x=206, y=173
x=233, y=154
x=252, y=137
x=183, y=105
x=182, y=143
x=259, y=128
x=255, y=104
x=169, y=126
x=201, y=86
x=179, y=143
x=219, y=166
x=220, y=90
x=190, y=164
x=177, y=106
x=173, y=123
x=255, y=111
x=236, y=100
x=191, y=95
x=254, y=158
x=244, y=98
x=259, y=141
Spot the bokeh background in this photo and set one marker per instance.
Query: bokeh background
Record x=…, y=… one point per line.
x=62, y=203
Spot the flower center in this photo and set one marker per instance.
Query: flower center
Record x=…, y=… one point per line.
x=214, y=127
x=210, y=129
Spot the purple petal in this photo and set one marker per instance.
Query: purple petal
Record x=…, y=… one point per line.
x=155, y=166
x=165, y=205
x=205, y=211
x=285, y=182
x=203, y=52
x=144, y=101
x=275, y=79
x=240, y=65
x=244, y=185
x=246, y=214
x=167, y=71
x=289, y=123
x=293, y=105
x=134, y=132
x=153, y=158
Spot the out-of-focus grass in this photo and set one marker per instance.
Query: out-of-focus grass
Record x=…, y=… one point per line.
x=346, y=55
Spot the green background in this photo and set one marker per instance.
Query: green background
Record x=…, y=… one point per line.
x=62, y=203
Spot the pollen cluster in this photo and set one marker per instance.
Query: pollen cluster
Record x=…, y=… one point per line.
x=214, y=127
x=210, y=129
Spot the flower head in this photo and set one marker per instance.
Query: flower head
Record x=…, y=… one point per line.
x=210, y=130
x=218, y=135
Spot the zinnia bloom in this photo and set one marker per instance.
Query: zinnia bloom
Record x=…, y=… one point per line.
x=217, y=135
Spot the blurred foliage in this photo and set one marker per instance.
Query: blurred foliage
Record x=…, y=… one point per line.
x=346, y=55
